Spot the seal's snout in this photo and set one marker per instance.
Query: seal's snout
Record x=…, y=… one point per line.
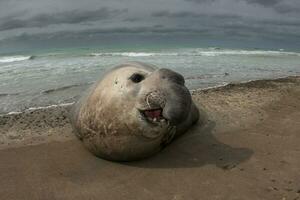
x=156, y=99
x=169, y=95
x=153, y=105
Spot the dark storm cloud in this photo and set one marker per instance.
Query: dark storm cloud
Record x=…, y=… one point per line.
x=186, y=14
x=166, y=13
x=285, y=9
x=140, y=30
x=99, y=33
x=232, y=24
x=201, y=1
x=66, y=17
x=266, y=3
x=280, y=6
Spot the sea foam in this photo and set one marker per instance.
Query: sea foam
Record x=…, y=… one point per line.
x=8, y=59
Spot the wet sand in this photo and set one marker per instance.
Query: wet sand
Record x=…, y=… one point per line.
x=247, y=147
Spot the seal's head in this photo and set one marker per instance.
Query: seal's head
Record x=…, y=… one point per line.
x=133, y=111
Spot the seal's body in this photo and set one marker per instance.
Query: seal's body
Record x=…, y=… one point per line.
x=133, y=111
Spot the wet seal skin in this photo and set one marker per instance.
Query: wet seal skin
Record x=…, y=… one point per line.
x=133, y=111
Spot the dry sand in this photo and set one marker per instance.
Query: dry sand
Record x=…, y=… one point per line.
x=247, y=148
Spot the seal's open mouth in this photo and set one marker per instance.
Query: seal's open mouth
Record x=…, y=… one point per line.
x=153, y=115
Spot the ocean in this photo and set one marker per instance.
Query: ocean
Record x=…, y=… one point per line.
x=53, y=77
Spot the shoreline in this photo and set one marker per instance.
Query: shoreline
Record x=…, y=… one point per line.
x=191, y=91
x=56, y=116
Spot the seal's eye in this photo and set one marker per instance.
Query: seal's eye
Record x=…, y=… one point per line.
x=136, y=78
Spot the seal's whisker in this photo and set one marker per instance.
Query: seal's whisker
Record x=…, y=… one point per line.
x=147, y=101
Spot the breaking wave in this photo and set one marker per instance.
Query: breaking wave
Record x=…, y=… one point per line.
x=8, y=59
x=38, y=108
x=200, y=52
x=247, y=52
x=130, y=54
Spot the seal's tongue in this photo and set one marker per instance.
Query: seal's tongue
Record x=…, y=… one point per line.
x=153, y=113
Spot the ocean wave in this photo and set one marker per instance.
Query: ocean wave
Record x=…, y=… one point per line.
x=205, y=76
x=127, y=54
x=247, y=52
x=39, y=108
x=8, y=59
x=217, y=52
x=64, y=88
x=133, y=54
x=200, y=52
x=8, y=94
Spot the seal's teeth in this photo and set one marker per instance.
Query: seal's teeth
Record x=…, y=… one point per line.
x=154, y=119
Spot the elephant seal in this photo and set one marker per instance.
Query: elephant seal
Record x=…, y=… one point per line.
x=133, y=111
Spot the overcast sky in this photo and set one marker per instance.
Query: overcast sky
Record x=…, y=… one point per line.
x=274, y=19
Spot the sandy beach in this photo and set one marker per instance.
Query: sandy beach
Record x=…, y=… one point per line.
x=245, y=147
